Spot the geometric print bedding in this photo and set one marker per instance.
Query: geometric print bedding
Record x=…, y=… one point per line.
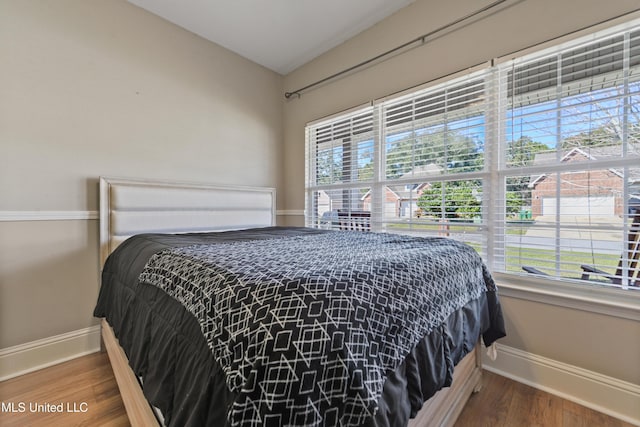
x=305, y=328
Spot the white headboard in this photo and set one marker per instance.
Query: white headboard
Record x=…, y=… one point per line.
x=129, y=207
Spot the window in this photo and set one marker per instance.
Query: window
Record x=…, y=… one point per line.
x=339, y=167
x=572, y=159
x=535, y=161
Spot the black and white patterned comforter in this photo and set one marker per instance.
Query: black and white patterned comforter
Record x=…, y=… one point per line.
x=307, y=327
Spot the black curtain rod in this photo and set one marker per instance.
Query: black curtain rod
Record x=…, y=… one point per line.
x=422, y=39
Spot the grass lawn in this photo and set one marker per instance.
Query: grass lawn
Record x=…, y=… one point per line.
x=569, y=264
x=542, y=259
x=433, y=227
x=517, y=228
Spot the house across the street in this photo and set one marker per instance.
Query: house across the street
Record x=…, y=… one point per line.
x=593, y=193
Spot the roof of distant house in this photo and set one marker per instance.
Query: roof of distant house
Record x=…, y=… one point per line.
x=592, y=153
x=406, y=191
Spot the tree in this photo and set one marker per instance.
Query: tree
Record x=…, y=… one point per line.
x=438, y=145
x=328, y=166
x=456, y=200
x=597, y=115
x=522, y=151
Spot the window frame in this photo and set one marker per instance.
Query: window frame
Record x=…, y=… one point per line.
x=587, y=296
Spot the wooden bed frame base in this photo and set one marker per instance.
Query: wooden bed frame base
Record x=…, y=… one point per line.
x=441, y=410
x=138, y=409
x=446, y=405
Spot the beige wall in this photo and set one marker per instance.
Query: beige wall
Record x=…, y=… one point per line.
x=90, y=88
x=599, y=343
x=604, y=344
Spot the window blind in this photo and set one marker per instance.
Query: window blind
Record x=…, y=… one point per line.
x=432, y=157
x=535, y=162
x=339, y=167
x=570, y=172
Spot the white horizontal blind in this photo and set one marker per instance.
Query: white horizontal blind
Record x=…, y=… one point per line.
x=571, y=166
x=432, y=156
x=340, y=167
x=535, y=162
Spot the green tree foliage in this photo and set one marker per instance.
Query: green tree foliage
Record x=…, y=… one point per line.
x=443, y=147
x=456, y=200
x=601, y=136
x=521, y=152
x=516, y=201
x=329, y=166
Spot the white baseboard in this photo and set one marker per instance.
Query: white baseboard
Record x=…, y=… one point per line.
x=24, y=358
x=611, y=396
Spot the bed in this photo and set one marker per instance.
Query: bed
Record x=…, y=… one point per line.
x=212, y=315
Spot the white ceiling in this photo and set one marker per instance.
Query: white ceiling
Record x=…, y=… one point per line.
x=278, y=34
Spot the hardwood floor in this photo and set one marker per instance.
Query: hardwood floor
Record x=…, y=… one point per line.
x=86, y=385
x=506, y=403
x=83, y=384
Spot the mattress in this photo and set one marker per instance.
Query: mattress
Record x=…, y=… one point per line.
x=209, y=345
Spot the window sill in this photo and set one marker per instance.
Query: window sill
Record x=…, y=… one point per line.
x=592, y=298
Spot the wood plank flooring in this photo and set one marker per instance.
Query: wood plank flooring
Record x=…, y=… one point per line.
x=87, y=385
x=506, y=403
x=86, y=380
